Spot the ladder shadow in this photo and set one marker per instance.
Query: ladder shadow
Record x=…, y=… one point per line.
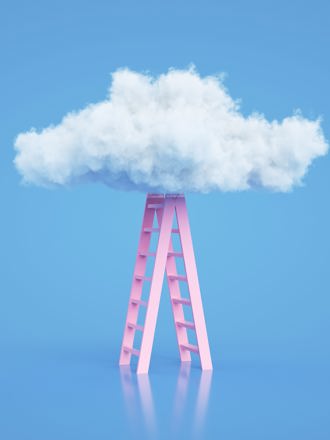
x=139, y=398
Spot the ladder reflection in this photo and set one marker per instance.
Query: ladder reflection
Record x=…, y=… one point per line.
x=191, y=394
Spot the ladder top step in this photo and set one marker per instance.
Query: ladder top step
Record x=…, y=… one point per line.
x=177, y=277
x=133, y=351
x=175, y=231
x=135, y=326
x=139, y=302
x=186, y=324
x=166, y=195
x=174, y=196
x=142, y=278
x=190, y=347
x=157, y=195
x=184, y=301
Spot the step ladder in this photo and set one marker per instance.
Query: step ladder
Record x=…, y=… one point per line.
x=165, y=208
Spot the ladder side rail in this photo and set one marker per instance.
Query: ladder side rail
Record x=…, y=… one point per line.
x=156, y=287
x=136, y=287
x=193, y=284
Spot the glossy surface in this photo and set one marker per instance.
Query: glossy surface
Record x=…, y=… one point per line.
x=78, y=393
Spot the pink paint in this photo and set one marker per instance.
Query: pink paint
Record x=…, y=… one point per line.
x=165, y=208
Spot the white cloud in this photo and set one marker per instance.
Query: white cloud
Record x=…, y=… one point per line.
x=176, y=132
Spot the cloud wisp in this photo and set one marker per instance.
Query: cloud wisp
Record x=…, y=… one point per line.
x=173, y=133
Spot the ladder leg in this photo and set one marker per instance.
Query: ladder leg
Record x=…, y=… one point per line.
x=193, y=284
x=156, y=286
x=136, y=289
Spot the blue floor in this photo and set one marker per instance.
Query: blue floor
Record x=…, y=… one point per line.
x=80, y=393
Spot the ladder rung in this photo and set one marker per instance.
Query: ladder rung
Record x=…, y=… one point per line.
x=135, y=326
x=151, y=229
x=174, y=231
x=139, y=302
x=147, y=254
x=133, y=351
x=186, y=324
x=184, y=301
x=155, y=205
x=142, y=278
x=177, y=277
x=190, y=347
x=175, y=254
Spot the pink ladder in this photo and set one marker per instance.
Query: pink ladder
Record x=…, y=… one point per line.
x=164, y=208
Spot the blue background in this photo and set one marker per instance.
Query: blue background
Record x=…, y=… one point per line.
x=67, y=255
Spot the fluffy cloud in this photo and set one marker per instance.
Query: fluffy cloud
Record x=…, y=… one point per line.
x=176, y=132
